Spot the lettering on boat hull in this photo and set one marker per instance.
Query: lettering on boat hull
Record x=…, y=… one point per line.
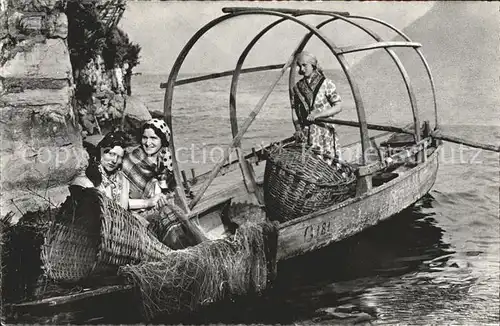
x=317, y=230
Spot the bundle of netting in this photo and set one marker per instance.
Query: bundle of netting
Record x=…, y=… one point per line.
x=209, y=272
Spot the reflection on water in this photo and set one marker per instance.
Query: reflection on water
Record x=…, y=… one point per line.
x=394, y=268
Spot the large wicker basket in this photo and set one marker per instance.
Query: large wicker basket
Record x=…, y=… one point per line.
x=93, y=234
x=298, y=182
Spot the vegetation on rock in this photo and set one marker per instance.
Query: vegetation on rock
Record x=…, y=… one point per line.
x=86, y=35
x=103, y=58
x=118, y=50
x=88, y=38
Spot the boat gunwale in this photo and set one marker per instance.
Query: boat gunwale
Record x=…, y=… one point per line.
x=372, y=191
x=212, y=196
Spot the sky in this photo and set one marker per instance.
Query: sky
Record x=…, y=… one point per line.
x=163, y=28
x=459, y=38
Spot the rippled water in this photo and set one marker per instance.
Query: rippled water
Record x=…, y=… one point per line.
x=435, y=263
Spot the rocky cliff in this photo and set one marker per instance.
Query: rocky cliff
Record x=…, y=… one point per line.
x=40, y=144
x=43, y=115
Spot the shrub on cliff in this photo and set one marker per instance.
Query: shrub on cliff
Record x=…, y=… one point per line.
x=86, y=34
x=118, y=50
x=96, y=46
x=88, y=38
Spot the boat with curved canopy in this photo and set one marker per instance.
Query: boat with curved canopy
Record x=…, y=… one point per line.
x=411, y=160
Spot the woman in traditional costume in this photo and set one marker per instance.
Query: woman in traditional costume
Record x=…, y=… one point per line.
x=149, y=169
x=149, y=166
x=315, y=96
x=103, y=171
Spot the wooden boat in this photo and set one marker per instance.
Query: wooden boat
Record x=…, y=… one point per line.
x=371, y=204
x=406, y=169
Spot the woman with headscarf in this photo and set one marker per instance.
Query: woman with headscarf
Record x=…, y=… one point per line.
x=315, y=96
x=103, y=171
x=149, y=169
x=149, y=166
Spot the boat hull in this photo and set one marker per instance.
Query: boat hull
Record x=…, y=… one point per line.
x=319, y=229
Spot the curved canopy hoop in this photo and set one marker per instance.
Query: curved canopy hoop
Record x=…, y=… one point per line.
x=180, y=59
x=343, y=63
x=234, y=88
x=381, y=44
x=167, y=103
x=392, y=54
x=238, y=69
x=420, y=54
x=237, y=72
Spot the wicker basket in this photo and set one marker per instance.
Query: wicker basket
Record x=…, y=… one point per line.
x=70, y=253
x=125, y=238
x=298, y=182
x=93, y=234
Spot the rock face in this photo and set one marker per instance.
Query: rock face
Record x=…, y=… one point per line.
x=109, y=100
x=48, y=59
x=36, y=5
x=40, y=143
x=136, y=112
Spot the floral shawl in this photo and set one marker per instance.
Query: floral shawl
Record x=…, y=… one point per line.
x=304, y=96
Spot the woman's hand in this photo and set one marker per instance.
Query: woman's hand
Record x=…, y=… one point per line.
x=153, y=201
x=165, y=200
x=299, y=136
x=313, y=115
x=328, y=113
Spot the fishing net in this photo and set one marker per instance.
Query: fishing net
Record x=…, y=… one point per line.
x=209, y=272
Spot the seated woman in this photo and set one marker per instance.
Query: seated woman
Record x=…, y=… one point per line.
x=149, y=169
x=103, y=171
x=149, y=166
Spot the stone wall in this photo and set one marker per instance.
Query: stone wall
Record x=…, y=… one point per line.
x=40, y=144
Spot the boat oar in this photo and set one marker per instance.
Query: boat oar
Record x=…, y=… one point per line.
x=239, y=135
x=454, y=139
x=437, y=134
x=369, y=125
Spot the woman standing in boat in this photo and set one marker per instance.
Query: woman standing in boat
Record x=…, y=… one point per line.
x=315, y=96
x=103, y=171
x=149, y=166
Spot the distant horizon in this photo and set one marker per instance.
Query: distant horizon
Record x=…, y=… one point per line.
x=154, y=73
x=150, y=24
